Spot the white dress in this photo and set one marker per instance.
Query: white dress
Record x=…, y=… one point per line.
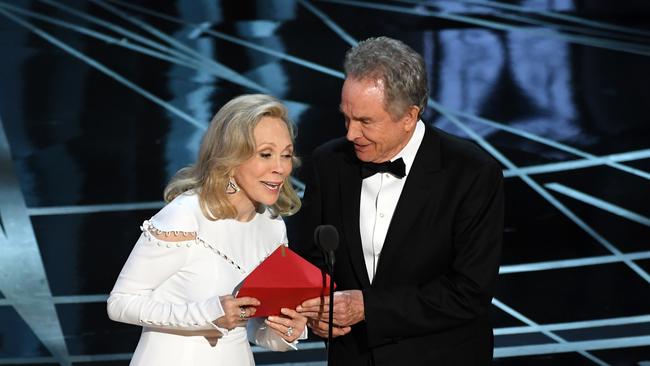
x=172, y=288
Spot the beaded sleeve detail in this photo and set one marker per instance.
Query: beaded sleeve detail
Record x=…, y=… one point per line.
x=154, y=235
x=168, y=236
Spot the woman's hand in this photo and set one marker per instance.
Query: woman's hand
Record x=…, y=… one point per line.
x=290, y=325
x=236, y=311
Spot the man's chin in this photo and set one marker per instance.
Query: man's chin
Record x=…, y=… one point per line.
x=363, y=155
x=364, y=158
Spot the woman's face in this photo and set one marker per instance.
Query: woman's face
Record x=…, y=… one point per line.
x=261, y=176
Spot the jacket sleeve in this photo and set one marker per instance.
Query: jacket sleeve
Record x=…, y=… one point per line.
x=308, y=218
x=464, y=291
x=151, y=262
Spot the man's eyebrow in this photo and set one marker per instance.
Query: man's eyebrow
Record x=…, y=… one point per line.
x=355, y=118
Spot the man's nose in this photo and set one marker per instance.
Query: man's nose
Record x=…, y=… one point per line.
x=354, y=131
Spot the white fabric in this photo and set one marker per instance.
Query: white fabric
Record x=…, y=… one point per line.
x=172, y=288
x=379, y=196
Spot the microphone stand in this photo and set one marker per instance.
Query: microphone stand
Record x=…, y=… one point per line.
x=330, y=266
x=327, y=238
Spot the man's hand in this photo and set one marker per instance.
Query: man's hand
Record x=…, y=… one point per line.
x=321, y=328
x=348, y=309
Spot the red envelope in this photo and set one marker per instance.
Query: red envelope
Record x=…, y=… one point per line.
x=284, y=280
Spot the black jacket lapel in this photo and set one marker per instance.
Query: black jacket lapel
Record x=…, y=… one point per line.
x=350, y=199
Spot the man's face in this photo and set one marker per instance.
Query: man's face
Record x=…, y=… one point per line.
x=376, y=135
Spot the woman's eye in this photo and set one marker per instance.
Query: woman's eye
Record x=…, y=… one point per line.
x=287, y=156
x=265, y=155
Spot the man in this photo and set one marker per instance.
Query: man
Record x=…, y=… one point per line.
x=420, y=243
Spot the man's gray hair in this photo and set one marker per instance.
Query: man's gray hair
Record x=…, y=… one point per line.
x=397, y=66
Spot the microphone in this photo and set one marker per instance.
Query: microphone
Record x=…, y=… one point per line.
x=327, y=238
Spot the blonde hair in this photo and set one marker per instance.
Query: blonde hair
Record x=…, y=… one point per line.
x=229, y=142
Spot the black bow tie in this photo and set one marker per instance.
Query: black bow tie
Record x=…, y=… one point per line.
x=396, y=168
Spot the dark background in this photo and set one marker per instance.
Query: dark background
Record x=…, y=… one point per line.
x=91, y=131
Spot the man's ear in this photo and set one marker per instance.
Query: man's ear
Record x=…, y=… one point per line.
x=410, y=118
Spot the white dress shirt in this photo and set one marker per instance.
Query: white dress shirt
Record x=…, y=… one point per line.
x=379, y=196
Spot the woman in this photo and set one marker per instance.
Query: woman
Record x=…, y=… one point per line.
x=222, y=220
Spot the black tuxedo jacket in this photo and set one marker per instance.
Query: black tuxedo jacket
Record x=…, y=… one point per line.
x=434, y=282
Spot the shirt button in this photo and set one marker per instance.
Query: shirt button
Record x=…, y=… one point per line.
x=381, y=215
x=387, y=175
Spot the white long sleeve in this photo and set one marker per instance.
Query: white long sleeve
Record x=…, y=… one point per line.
x=260, y=334
x=150, y=264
